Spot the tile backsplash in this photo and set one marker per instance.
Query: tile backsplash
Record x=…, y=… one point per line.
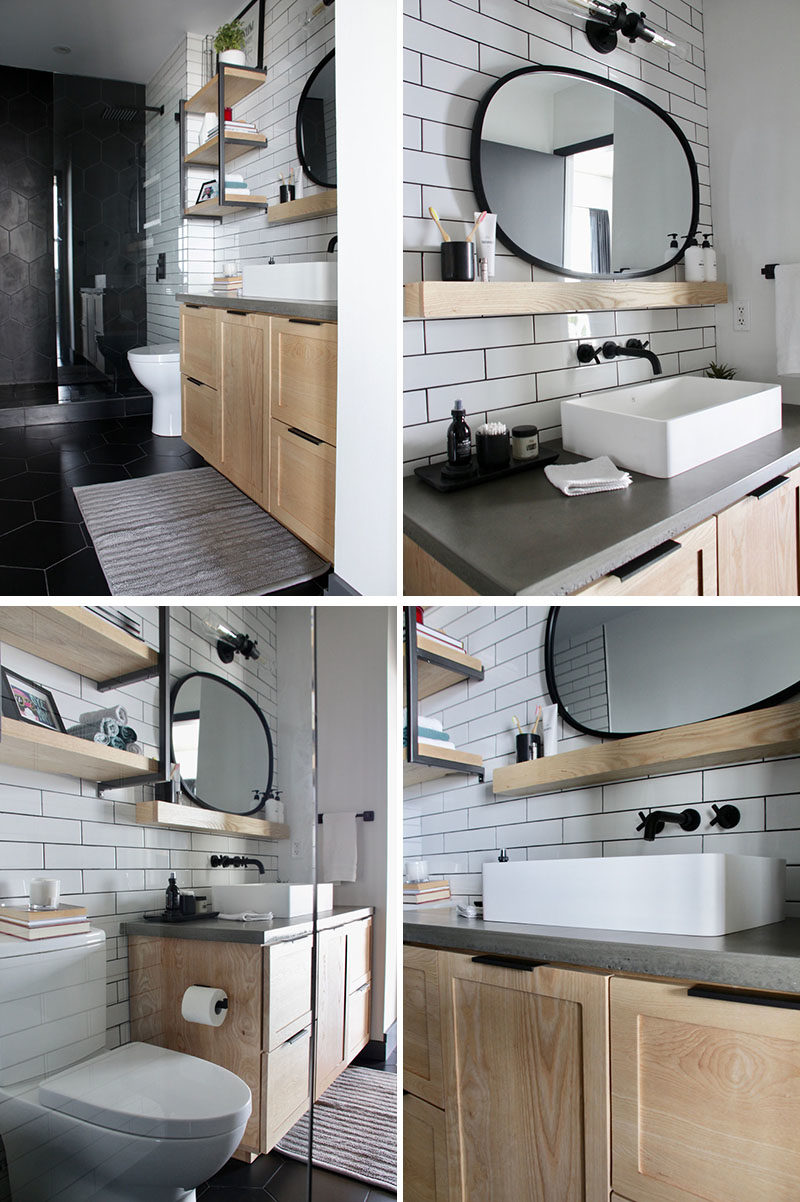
x=517, y=369
x=456, y=824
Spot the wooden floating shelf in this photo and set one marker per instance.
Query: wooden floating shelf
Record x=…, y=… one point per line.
x=416, y=774
x=193, y=818
x=239, y=83
x=321, y=204
x=435, y=299
x=207, y=155
x=732, y=740
x=26, y=745
x=432, y=678
x=76, y=639
x=213, y=208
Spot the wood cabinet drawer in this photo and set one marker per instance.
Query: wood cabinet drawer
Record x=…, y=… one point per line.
x=356, y=1021
x=757, y=542
x=201, y=418
x=705, y=1095
x=303, y=376
x=425, y=1165
x=287, y=990
x=359, y=953
x=284, y=1086
x=243, y=367
x=685, y=566
x=199, y=344
x=422, y=1025
x=302, y=486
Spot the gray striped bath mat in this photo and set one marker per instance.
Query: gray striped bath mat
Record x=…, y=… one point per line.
x=190, y=533
x=355, y=1128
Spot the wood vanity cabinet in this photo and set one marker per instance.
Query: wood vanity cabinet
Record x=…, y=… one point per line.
x=344, y=976
x=243, y=348
x=757, y=539
x=685, y=566
x=524, y=1063
x=705, y=1094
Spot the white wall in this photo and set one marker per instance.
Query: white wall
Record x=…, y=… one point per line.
x=753, y=101
x=295, y=738
x=457, y=824
x=356, y=706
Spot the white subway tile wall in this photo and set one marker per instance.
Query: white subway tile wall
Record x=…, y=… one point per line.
x=517, y=369
x=456, y=824
x=196, y=249
x=56, y=825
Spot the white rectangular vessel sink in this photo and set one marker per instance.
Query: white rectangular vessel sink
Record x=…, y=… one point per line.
x=665, y=427
x=283, y=901
x=291, y=281
x=697, y=894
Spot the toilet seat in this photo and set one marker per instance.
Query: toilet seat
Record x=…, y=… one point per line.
x=145, y=1090
x=160, y=352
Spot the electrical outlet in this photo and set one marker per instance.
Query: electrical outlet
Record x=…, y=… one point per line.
x=741, y=315
x=297, y=849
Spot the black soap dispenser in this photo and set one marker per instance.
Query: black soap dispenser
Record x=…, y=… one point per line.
x=173, y=896
x=459, y=446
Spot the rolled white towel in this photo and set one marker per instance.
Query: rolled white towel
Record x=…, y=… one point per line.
x=247, y=916
x=596, y=475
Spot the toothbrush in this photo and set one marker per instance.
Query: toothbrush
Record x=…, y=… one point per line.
x=515, y=720
x=442, y=230
x=538, y=719
x=475, y=226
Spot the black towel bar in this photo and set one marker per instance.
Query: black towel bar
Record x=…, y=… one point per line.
x=367, y=815
x=769, y=270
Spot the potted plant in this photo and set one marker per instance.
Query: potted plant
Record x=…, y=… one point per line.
x=229, y=43
x=720, y=371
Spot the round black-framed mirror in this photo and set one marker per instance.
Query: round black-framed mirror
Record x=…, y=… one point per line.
x=222, y=741
x=620, y=670
x=315, y=129
x=560, y=203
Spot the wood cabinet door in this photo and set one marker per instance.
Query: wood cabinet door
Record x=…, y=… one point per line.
x=331, y=957
x=757, y=543
x=705, y=1095
x=422, y=1025
x=201, y=419
x=526, y=1082
x=285, y=1087
x=243, y=352
x=687, y=567
x=356, y=1021
x=425, y=1169
x=302, y=486
x=303, y=376
x=287, y=990
x=359, y=953
x=199, y=344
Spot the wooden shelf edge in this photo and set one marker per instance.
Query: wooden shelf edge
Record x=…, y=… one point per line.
x=735, y=739
x=205, y=99
x=459, y=659
x=414, y=774
x=193, y=818
x=28, y=746
x=213, y=208
x=436, y=299
x=320, y=204
x=74, y=638
x=208, y=153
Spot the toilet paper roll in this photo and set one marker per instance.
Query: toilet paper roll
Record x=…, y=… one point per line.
x=201, y=1004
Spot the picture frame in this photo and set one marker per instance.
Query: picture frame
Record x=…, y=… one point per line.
x=208, y=191
x=28, y=701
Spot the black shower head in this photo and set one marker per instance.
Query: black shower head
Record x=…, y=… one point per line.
x=125, y=113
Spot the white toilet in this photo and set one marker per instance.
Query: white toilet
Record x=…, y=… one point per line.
x=158, y=367
x=80, y=1124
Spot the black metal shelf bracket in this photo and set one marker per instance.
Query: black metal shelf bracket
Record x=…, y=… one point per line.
x=119, y=682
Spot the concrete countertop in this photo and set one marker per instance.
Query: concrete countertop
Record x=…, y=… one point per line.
x=217, y=930
x=311, y=310
x=521, y=535
x=761, y=958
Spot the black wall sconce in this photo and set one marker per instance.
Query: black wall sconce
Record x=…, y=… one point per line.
x=230, y=643
x=605, y=20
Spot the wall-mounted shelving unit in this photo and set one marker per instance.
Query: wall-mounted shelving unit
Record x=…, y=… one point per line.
x=227, y=88
x=192, y=818
x=433, y=299
x=429, y=668
x=731, y=740
x=321, y=204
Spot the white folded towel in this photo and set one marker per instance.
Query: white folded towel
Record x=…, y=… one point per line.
x=338, y=856
x=596, y=475
x=787, y=318
x=246, y=916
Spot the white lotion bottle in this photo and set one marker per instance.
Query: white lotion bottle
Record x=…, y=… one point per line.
x=486, y=235
x=693, y=262
x=709, y=260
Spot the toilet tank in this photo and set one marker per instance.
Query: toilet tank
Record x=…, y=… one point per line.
x=52, y=1003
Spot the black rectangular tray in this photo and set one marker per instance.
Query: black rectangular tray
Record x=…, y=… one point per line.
x=172, y=916
x=431, y=473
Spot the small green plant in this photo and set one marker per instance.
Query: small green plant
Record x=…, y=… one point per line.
x=720, y=371
x=229, y=37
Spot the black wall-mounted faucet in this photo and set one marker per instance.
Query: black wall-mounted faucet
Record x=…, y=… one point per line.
x=653, y=823
x=633, y=347
x=236, y=862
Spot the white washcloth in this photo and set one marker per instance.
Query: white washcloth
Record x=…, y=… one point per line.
x=596, y=475
x=246, y=916
x=787, y=318
x=337, y=847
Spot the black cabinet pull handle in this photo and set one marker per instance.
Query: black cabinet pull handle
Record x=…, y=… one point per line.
x=199, y=383
x=502, y=962
x=744, y=998
x=308, y=437
x=304, y=321
x=769, y=487
x=237, y=312
x=644, y=561
x=190, y=306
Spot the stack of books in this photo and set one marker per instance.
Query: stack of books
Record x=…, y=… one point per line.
x=24, y=923
x=424, y=893
x=227, y=285
x=233, y=129
x=438, y=637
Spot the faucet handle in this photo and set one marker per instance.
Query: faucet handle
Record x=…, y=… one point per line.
x=587, y=353
x=643, y=823
x=636, y=344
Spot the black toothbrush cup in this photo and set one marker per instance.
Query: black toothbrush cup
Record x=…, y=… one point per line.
x=529, y=747
x=458, y=261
